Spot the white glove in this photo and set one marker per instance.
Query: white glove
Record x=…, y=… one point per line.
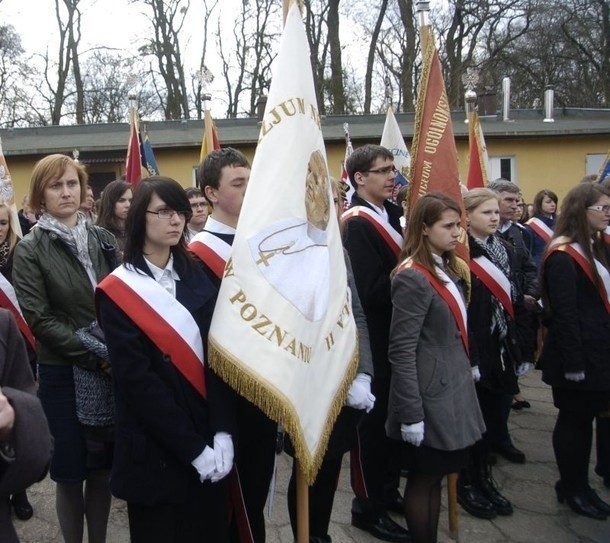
x=205, y=464
x=575, y=376
x=523, y=368
x=476, y=374
x=413, y=433
x=223, y=454
x=359, y=395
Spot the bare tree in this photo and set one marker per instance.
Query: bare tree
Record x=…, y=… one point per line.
x=167, y=20
x=246, y=66
x=197, y=79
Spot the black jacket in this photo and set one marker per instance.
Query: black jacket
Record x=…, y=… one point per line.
x=163, y=424
x=372, y=262
x=578, y=337
x=497, y=374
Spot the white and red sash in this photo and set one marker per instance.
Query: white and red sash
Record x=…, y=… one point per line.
x=577, y=253
x=389, y=235
x=8, y=300
x=449, y=292
x=164, y=320
x=212, y=251
x=541, y=229
x=606, y=234
x=494, y=280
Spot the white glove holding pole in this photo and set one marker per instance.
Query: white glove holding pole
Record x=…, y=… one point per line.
x=359, y=395
x=205, y=464
x=223, y=454
x=476, y=374
x=413, y=433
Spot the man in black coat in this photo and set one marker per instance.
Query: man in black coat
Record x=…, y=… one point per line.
x=223, y=177
x=367, y=238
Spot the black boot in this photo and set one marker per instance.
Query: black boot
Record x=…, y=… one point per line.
x=21, y=505
x=489, y=490
x=472, y=499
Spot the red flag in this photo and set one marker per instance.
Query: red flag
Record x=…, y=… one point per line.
x=434, y=164
x=133, y=168
x=478, y=176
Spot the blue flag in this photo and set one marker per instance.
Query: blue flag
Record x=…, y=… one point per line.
x=148, y=157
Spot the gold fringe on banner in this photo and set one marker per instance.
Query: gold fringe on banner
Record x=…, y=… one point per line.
x=276, y=407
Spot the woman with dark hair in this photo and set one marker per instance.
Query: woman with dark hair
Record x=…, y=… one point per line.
x=55, y=270
x=174, y=417
x=114, y=206
x=493, y=349
x=575, y=357
x=541, y=225
x=433, y=405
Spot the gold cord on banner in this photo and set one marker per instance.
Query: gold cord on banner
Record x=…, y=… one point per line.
x=419, y=108
x=278, y=408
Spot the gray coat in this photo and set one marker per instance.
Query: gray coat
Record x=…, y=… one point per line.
x=431, y=374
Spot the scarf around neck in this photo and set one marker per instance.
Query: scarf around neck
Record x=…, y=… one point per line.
x=76, y=238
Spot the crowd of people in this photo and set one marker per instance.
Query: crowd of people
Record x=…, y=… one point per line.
x=119, y=297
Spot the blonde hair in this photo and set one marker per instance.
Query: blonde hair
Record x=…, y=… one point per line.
x=12, y=236
x=49, y=169
x=475, y=197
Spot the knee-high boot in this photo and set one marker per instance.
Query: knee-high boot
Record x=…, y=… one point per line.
x=488, y=488
x=469, y=494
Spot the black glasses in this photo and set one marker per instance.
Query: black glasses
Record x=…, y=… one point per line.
x=197, y=205
x=383, y=171
x=169, y=213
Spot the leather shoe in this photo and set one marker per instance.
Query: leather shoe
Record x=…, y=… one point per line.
x=499, y=502
x=21, y=505
x=382, y=527
x=474, y=502
x=579, y=503
x=511, y=453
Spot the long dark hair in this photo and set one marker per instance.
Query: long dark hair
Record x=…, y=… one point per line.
x=426, y=211
x=172, y=193
x=572, y=222
x=111, y=195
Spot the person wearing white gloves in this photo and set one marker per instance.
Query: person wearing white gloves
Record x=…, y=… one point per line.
x=575, y=357
x=433, y=407
x=174, y=417
x=359, y=400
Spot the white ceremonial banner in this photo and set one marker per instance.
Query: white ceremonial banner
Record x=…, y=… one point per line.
x=391, y=138
x=283, y=333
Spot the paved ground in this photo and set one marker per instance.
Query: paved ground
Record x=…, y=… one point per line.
x=537, y=518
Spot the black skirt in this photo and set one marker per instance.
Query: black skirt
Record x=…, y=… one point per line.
x=428, y=461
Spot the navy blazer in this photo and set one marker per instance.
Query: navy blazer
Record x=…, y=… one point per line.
x=163, y=423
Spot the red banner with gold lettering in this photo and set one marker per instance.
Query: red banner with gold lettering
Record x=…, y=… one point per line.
x=434, y=165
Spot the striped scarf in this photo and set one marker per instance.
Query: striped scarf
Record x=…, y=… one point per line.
x=496, y=252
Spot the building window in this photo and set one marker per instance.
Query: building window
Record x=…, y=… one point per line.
x=502, y=166
x=594, y=163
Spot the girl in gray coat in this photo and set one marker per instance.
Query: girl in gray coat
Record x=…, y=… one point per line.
x=433, y=406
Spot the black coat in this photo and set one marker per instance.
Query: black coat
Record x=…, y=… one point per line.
x=372, y=262
x=163, y=424
x=496, y=374
x=578, y=337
